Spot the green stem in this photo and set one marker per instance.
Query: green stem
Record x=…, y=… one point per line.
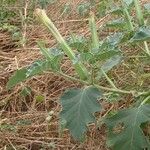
x=128, y=17
x=72, y=78
x=146, y=48
x=139, y=13
x=79, y=67
x=108, y=79
x=115, y=90
x=43, y=50
x=145, y=100
x=101, y=87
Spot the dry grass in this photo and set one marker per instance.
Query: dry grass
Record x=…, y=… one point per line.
x=27, y=126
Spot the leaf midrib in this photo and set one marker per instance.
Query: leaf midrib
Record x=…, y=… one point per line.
x=134, y=123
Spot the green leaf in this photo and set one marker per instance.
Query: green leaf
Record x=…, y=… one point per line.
x=115, y=39
x=44, y=3
x=44, y=50
x=26, y=91
x=77, y=42
x=142, y=34
x=117, y=23
x=86, y=57
x=23, y=122
x=103, y=55
x=130, y=136
x=110, y=63
x=36, y=68
x=128, y=2
x=126, y=36
x=5, y=127
x=19, y=76
x=102, y=8
x=57, y=56
x=49, y=53
x=53, y=55
x=113, y=97
x=147, y=13
x=116, y=10
x=8, y=2
x=39, y=98
x=83, y=8
x=78, y=108
x=66, y=9
x=147, y=7
x=106, y=55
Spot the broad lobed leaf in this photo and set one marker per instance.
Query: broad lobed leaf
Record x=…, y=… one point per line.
x=19, y=76
x=78, y=108
x=131, y=136
x=36, y=68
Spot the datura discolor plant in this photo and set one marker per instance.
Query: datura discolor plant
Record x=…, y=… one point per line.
x=92, y=60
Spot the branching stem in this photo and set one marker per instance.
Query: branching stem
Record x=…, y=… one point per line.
x=128, y=17
x=108, y=79
x=146, y=48
x=132, y=92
